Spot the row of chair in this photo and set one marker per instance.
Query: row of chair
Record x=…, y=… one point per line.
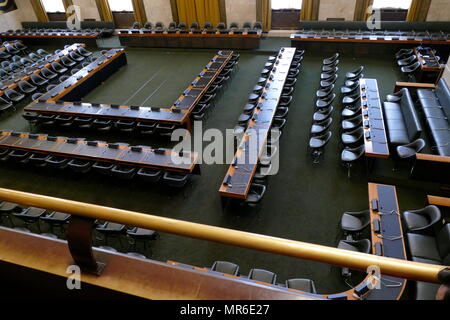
x=46, y=79
x=408, y=62
x=9, y=49
x=322, y=120
x=305, y=285
x=34, y=219
x=221, y=26
x=79, y=166
x=428, y=239
x=258, y=187
x=200, y=111
x=352, y=135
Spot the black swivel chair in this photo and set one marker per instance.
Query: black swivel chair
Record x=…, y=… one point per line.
x=355, y=73
x=30, y=216
x=331, y=59
x=225, y=267
x=317, y=144
x=362, y=246
x=255, y=195
x=410, y=70
x=262, y=276
x=111, y=230
x=423, y=219
x=408, y=151
x=355, y=222
x=141, y=235
x=305, y=285
x=350, y=156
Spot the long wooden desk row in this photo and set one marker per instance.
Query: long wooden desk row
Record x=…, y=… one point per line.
x=137, y=156
x=235, y=39
x=177, y=114
x=36, y=67
x=82, y=82
x=369, y=36
x=375, y=138
x=90, y=38
x=240, y=174
x=387, y=240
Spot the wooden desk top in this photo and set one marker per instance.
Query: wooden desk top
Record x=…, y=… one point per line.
x=99, y=151
x=240, y=174
x=388, y=242
x=189, y=34
x=375, y=138
x=36, y=68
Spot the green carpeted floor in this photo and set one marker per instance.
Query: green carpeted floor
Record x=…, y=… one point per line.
x=304, y=201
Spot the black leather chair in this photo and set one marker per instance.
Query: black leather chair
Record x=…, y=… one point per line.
x=305, y=285
x=48, y=74
x=5, y=105
x=111, y=230
x=329, y=82
x=402, y=120
x=150, y=175
x=321, y=127
x=403, y=53
x=30, y=216
x=323, y=114
x=409, y=151
x=149, y=25
x=362, y=246
x=350, y=87
x=352, y=123
x=421, y=220
x=255, y=194
x=263, y=276
x=324, y=93
x=317, y=144
x=411, y=69
x=355, y=73
x=26, y=87
x=350, y=156
x=38, y=80
x=8, y=208
x=351, y=111
x=175, y=179
x=436, y=109
x=407, y=61
x=141, y=235
x=355, y=222
x=56, y=219
x=13, y=95
x=136, y=25
x=352, y=137
x=225, y=267
x=331, y=59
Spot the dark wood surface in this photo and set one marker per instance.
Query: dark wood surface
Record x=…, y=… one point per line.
x=240, y=174
x=373, y=120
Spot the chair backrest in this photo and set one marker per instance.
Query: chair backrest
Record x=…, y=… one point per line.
x=148, y=25
x=182, y=25
x=194, y=25
x=263, y=275
x=159, y=25
x=136, y=25
x=257, y=25
x=172, y=25
x=247, y=25
x=234, y=25
x=225, y=267
x=443, y=94
x=221, y=26
x=410, y=116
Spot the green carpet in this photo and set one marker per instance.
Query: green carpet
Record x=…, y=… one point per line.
x=304, y=201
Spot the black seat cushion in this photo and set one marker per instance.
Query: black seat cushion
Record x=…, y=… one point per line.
x=436, y=108
x=426, y=290
x=395, y=123
x=422, y=246
x=410, y=115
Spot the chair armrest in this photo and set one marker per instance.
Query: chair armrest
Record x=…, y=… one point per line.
x=413, y=85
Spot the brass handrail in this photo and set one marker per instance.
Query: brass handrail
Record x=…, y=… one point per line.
x=355, y=260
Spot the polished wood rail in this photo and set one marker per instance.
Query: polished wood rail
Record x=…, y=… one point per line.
x=388, y=266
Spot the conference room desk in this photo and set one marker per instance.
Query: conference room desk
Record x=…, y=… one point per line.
x=379, y=42
x=178, y=113
x=26, y=73
x=387, y=240
x=53, y=38
x=143, y=157
x=240, y=174
x=430, y=68
x=240, y=39
x=375, y=138
x=88, y=78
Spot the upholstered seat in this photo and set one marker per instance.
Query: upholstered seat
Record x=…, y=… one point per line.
x=408, y=151
x=355, y=221
x=422, y=219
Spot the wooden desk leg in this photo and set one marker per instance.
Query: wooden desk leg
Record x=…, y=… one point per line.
x=79, y=239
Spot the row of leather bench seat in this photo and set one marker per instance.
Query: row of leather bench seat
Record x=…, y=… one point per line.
x=436, y=108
